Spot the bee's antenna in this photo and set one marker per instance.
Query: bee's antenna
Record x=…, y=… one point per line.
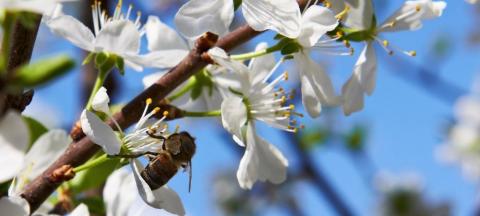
x=190, y=176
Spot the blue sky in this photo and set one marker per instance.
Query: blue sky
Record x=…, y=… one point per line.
x=405, y=121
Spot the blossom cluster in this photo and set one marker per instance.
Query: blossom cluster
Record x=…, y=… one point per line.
x=241, y=94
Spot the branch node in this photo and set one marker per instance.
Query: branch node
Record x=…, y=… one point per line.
x=77, y=133
x=61, y=174
x=206, y=41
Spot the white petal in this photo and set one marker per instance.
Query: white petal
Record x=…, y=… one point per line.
x=360, y=15
x=158, y=59
x=163, y=197
x=199, y=16
x=152, y=78
x=162, y=37
x=309, y=98
x=366, y=68
x=319, y=80
x=262, y=161
x=413, y=21
x=14, y=206
x=101, y=100
x=282, y=16
x=239, y=69
x=352, y=93
x=100, y=133
x=466, y=110
x=119, y=37
x=14, y=138
x=260, y=67
x=234, y=115
x=48, y=147
x=73, y=30
x=362, y=80
x=80, y=210
x=316, y=21
x=118, y=192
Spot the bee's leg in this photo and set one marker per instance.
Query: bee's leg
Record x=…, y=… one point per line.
x=155, y=136
x=126, y=155
x=151, y=155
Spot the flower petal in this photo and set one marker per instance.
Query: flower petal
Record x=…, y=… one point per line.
x=352, y=93
x=163, y=197
x=282, y=16
x=199, y=16
x=261, y=66
x=362, y=80
x=100, y=133
x=36, y=6
x=101, y=100
x=318, y=79
x=119, y=37
x=158, y=59
x=47, y=147
x=239, y=69
x=117, y=192
x=316, y=21
x=162, y=37
x=262, y=161
x=14, y=206
x=411, y=14
x=360, y=15
x=80, y=210
x=309, y=98
x=366, y=68
x=14, y=138
x=73, y=30
x=234, y=115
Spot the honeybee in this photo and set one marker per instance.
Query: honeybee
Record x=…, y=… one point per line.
x=177, y=152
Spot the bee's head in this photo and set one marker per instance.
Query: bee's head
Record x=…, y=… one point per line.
x=181, y=146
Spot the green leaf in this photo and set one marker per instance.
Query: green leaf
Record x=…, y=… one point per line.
x=120, y=64
x=355, y=140
x=36, y=129
x=236, y=4
x=290, y=48
x=93, y=177
x=95, y=205
x=313, y=138
x=101, y=58
x=42, y=71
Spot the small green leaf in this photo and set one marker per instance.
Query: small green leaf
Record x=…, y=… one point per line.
x=290, y=48
x=36, y=129
x=101, y=58
x=355, y=140
x=236, y=4
x=95, y=205
x=88, y=59
x=42, y=71
x=93, y=177
x=120, y=64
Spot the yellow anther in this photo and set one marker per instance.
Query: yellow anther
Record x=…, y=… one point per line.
x=286, y=114
x=343, y=13
x=119, y=5
x=156, y=110
x=385, y=43
x=149, y=101
x=165, y=113
x=418, y=8
x=327, y=4
x=339, y=34
x=291, y=107
x=284, y=99
x=412, y=53
x=285, y=75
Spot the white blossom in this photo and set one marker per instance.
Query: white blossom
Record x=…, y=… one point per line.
x=408, y=17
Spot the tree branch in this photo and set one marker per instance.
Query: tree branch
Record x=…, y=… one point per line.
x=37, y=191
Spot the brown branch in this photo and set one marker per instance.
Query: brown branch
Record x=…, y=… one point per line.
x=37, y=191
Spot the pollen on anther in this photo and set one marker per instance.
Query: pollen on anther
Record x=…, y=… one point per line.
x=149, y=101
x=412, y=53
x=385, y=43
x=291, y=107
x=285, y=76
x=156, y=110
x=418, y=8
x=165, y=113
